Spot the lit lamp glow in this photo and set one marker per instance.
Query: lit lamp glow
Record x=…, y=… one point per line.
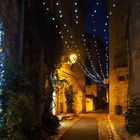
x=73, y=58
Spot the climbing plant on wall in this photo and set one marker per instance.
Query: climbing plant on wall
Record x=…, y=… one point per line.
x=132, y=116
x=69, y=94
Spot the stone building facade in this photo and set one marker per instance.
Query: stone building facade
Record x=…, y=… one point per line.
x=124, y=54
x=133, y=28
x=70, y=15
x=9, y=17
x=134, y=47
x=118, y=63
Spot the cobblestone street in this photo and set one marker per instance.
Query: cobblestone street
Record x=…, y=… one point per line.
x=97, y=125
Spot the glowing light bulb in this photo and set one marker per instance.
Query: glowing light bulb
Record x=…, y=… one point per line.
x=114, y=5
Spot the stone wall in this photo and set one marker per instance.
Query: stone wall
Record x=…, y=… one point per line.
x=134, y=45
x=118, y=58
x=9, y=16
x=78, y=87
x=71, y=34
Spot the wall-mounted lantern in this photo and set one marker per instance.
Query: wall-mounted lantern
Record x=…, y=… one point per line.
x=73, y=58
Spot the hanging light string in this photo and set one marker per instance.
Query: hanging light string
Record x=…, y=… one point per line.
x=90, y=59
x=91, y=76
x=1, y=54
x=99, y=59
x=98, y=3
x=87, y=73
x=2, y=60
x=95, y=41
x=78, y=50
x=113, y=5
x=76, y=11
x=105, y=33
x=61, y=16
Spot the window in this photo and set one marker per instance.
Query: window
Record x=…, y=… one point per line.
x=121, y=78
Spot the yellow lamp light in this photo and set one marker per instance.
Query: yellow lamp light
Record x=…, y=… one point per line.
x=73, y=58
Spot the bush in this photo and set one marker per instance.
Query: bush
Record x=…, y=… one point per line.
x=21, y=119
x=133, y=117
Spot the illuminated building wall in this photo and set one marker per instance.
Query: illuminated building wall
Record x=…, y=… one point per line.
x=134, y=46
x=70, y=15
x=118, y=79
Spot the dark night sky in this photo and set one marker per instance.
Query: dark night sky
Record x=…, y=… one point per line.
x=100, y=19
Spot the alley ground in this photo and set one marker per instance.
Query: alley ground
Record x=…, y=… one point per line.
x=86, y=128
x=90, y=126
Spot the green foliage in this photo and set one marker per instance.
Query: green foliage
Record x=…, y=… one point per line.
x=20, y=118
x=133, y=116
x=51, y=122
x=19, y=114
x=69, y=94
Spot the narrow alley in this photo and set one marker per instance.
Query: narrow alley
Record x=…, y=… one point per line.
x=89, y=126
x=78, y=131
x=69, y=70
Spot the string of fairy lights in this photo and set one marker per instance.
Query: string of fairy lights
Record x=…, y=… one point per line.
x=69, y=39
x=105, y=35
x=95, y=41
x=1, y=62
x=76, y=14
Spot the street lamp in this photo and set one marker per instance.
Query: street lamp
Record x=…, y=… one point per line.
x=73, y=58
x=106, y=82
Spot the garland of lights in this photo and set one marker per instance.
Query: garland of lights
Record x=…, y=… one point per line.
x=2, y=56
x=76, y=12
x=73, y=42
x=95, y=43
x=67, y=43
x=105, y=34
x=91, y=61
x=88, y=54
